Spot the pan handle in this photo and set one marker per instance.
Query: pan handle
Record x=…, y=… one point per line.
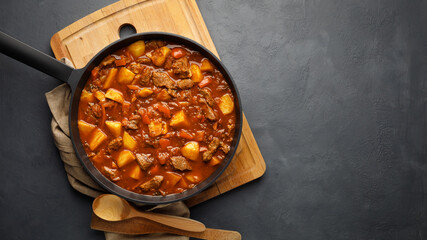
x=33, y=57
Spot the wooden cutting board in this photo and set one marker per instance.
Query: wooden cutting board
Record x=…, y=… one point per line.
x=81, y=40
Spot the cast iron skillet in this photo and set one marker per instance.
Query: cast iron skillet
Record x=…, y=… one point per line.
x=77, y=78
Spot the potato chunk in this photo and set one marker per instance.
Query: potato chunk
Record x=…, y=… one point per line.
x=206, y=66
x=137, y=48
x=87, y=96
x=98, y=157
x=196, y=74
x=98, y=137
x=179, y=119
x=145, y=92
x=163, y=95
x=192, y=177
x=115, y=95
x=227, y=104
x=155, y=128
x=114, y=127
x=172, y=178
x=128, y=141
x=100, y=96
x=110, y=78
x=191, y=150
x=85, y=128
x=159, y=56
x=125, y=76
x=124, y=158
x=214, y=161
x=165, y=128
x=135, y=173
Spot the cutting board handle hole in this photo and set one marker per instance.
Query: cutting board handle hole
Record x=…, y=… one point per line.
x=126, y=30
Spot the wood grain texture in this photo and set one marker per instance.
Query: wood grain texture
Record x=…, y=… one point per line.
x=81, y=40
x=112, y=208
x=136, y=226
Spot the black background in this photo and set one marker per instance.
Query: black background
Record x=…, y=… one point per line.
x=335, y=93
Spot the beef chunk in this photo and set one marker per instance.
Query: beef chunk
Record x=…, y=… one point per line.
x=173, y=93
x=115, y=144
x=162, y=157
x=184, y=95
x=135, y=117
x=181, y=68
x=161, y=79
x=143, y=60
x=154, y=183
x=92, y=88
x=208, y=96
x=112, y=174
x=208, y=111
x=144, y=160
x=213, y=145
x=225, y=147
x=132, y=123
x=108, y=60
x=168, y=63
x=180, y=163
x=103, y=72
x=96, y=110
x=152, y=112
x=185, y=84
x=230, y=127
x=136, y=68
x=145, y=76
x=154, y=143
x=155, y=44
x=97, y=83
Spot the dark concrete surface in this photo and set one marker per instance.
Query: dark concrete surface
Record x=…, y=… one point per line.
x=335, y=93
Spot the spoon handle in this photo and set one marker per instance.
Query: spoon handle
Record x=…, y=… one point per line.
x=182, y=223
x=136, y=226
x=209, y=234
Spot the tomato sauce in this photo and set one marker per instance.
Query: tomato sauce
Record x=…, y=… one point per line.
x=156, y=117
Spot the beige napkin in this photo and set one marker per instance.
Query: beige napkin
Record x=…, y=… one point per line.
x=58, y=100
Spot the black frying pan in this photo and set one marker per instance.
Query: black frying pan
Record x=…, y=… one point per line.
x=77, y=78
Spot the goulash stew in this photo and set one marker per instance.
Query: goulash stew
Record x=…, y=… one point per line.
x=156, y=117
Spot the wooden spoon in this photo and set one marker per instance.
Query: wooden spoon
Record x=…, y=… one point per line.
x=142, y=226
x=113, y=208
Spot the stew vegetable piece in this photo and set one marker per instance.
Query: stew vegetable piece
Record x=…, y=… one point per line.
x=156, y=117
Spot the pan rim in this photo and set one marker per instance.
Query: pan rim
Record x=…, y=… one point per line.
x=77, y=81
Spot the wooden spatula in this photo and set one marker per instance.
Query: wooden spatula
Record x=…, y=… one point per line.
x=144, y=226
x=113, y=208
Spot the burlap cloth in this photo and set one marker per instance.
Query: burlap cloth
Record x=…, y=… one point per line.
x=59, y=101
